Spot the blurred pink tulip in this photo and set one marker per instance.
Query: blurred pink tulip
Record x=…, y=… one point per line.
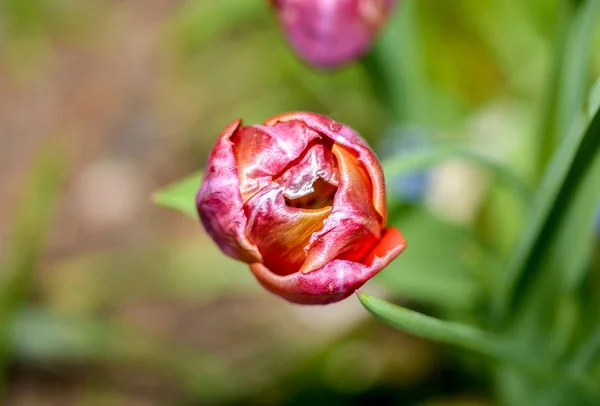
x=301, y=199
x=330, y=33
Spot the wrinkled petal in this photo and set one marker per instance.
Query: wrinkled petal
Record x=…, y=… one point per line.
x=317, y=162
x=336, y=280
x=328, y=33
x=281, y=232
x=353, y=227
x=219, y=201
x=264, y=151
x=345, y=136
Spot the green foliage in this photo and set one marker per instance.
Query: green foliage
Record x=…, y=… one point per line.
x=571, y=165
x=181, y=195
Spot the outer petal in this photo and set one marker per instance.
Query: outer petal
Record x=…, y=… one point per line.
x=347, y=137
x=262, y=152
x=219, y=201
x=335, y=281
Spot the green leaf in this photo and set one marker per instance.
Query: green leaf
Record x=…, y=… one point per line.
x=180, y=195
x=563, y=183
x=568, y=80
x=573, y=246
x=25, y=247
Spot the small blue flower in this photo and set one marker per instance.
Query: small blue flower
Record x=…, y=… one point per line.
x=413, y=186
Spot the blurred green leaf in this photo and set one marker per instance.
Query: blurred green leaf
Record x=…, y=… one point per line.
x=25, y=246
x=572, y=164
x=180, y=195
x=569, y=78
x=574, y=245
x=576, y=77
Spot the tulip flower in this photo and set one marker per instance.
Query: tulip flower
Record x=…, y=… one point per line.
x=330, y=33
x=301, y=199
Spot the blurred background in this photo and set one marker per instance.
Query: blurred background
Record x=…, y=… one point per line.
x=109, y=299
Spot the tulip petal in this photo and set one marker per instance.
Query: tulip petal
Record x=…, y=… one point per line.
x=353, y=227
x=345, y=136
x=336, y=280
x=281, y=232
x=219, y=201
x=317, y=162
x=263, y=152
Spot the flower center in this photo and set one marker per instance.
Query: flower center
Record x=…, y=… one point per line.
x=310, y=182
x=321, y=196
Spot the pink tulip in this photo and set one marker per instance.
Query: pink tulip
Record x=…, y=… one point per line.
x=330, y=33
x=301, y=199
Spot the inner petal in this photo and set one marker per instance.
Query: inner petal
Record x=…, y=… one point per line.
x=320, y=194
x=279, y=231
x=311, y=181
x=353, y=227
x=284, y=215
